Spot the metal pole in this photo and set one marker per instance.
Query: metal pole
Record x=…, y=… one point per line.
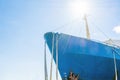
x=87, y=28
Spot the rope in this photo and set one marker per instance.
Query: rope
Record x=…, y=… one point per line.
x=56, y=57
x=66, y=24
x=45, y=63
x=116, y=77
x=100, y=30
x=52, y=58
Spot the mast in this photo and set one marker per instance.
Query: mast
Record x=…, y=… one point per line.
x=87, y=28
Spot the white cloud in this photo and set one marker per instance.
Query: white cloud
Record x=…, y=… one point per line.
x=117, y=29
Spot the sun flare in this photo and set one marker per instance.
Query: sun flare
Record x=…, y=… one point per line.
x=79, y=8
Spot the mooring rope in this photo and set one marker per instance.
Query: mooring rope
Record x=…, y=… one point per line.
x=56, y=57
x=52, y=57
x=45, y=62
x=115, y=66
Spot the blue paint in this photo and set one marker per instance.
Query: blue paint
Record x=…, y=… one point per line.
x=91, y=60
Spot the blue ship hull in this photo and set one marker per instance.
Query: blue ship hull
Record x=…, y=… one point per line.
x=91, y=60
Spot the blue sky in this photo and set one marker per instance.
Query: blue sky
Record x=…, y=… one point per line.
x=24, y=22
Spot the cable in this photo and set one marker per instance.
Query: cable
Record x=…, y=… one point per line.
x=65, y=25
x=100, y=30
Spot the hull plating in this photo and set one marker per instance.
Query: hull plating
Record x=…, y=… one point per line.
x=91, y=60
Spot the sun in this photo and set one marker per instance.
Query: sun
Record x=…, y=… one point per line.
x=79, y=8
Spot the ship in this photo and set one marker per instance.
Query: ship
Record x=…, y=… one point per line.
x=92, y=60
